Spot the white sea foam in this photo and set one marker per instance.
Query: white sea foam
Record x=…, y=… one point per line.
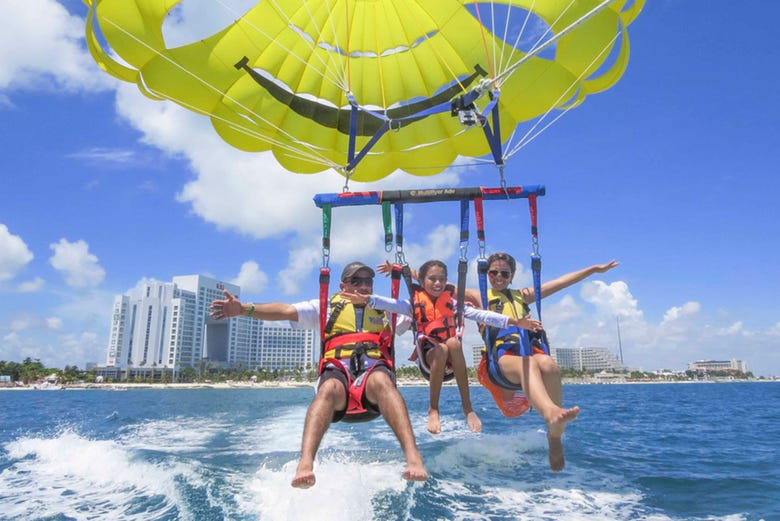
x=506, y=477
x=84, y=479
x=280, y=434
x=176, y=434
x=346, y=485
x=283, y=433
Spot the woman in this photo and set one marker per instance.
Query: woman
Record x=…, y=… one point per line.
x=537, y=374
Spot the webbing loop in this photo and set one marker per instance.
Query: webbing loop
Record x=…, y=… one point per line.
x=386, y=223
x=326, y=222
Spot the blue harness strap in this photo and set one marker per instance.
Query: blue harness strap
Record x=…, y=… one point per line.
x=527, y=342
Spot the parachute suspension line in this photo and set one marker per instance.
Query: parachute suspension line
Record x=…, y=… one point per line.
x=344, y=84
x=311, y=153
x=530, y=135
x=335, y=80
x=520, y=33
x=491, y=68
x=349, y=71
x=485, y=85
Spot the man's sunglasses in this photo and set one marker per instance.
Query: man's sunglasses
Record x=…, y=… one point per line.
x=503, y=273
x=357, y=281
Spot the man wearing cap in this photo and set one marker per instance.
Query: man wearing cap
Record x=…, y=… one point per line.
x=356, y=381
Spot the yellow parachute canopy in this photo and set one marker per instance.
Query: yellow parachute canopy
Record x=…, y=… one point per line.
x=286, y=74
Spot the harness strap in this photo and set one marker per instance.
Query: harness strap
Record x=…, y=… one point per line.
x=338, y=307
x=324, y=283
x=536, y=259
x=463, y=266
x=395, y=286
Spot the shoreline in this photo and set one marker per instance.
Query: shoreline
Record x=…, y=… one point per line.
x=402, y=382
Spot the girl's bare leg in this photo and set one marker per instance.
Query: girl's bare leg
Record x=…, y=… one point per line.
x=437, y=360
x=458, y=363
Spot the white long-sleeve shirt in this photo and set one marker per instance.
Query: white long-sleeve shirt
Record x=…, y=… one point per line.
x=404, y=307
x=309, y=317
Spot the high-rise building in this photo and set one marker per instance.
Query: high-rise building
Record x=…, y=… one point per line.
x=166, y=325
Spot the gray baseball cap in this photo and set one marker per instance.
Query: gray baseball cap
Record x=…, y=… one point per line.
x=352, y=268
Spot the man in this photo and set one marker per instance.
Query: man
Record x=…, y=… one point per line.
x=357, y=379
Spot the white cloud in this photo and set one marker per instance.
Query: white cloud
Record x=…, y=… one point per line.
x=31, y=286
x=734, y=329
x=79, y=267
x=251, y=278
x=14, y=254
x=55, y=56
x=20, y=324
x=441, y=243
x=681, y=312
x=611, y=300
x=54, y=323
x=301, y=261
x=31, y=323
x=106, y=155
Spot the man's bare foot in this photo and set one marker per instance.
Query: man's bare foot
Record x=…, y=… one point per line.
x=434, y=426
x=555, y=454
x=415, y=471
x=303, y=479
x=475, y=424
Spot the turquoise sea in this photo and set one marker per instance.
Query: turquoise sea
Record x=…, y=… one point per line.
x=644, y=452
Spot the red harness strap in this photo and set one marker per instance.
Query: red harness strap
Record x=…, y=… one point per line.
x=356, y=378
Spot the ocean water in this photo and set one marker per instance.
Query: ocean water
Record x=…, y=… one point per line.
x=649, y=452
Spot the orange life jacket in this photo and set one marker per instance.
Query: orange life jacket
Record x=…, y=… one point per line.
x=434, y=318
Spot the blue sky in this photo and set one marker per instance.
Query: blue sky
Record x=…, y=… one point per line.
x=671, y=172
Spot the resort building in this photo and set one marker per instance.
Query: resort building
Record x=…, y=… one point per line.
x=476, y=355
x=166, y=325
x=731, y=366
x=586, y=359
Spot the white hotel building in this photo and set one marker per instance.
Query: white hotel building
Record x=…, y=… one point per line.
x=587, y=359
x=166, y=325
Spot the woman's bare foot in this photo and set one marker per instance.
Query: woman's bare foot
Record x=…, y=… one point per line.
x=434, y=426
x=555, y=427
x=475, y=424
x=557, y=420
x=555, y=453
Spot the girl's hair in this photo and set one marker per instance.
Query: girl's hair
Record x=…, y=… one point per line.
x=425, y=268
x=503, y=257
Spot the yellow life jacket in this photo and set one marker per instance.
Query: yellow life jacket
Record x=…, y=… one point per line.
x=510, y=303
x=341, y=331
